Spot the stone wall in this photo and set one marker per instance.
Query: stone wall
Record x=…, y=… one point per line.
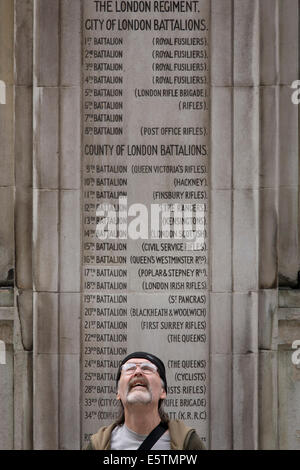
x=254, y=212
x=254, y=232
x=7, y=253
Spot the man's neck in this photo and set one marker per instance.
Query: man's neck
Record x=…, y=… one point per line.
x=141, y=419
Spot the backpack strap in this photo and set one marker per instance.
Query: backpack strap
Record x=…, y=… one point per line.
x=153, y=437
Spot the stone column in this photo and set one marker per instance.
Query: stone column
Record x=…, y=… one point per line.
x=23, y=220
x=7, y=149
x=279, y=188
x=7, y=256
x=47, y=181
x=254, y=211
x=56, y=222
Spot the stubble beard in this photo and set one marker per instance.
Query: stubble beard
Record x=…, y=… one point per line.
x=138, y=396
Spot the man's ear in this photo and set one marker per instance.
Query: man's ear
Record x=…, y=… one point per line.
x=163, y=394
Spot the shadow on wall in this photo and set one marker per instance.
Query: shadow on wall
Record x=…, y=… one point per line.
x=286, y=282
x=10, y=280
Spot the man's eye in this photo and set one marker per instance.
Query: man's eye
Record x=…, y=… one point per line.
x=147, y=368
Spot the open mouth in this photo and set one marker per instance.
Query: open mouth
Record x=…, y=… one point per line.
x=137, y=385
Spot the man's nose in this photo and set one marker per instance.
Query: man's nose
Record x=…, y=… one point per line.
x=138, y=370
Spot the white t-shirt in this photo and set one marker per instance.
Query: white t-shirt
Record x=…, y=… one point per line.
x=123, y=438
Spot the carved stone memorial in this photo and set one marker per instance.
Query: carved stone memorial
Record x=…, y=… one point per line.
x=145, y=164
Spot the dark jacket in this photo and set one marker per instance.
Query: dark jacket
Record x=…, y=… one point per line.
x=181, y=436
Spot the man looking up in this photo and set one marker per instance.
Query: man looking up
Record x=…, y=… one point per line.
x=142, y=387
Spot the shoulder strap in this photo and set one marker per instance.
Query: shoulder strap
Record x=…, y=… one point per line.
x=153, y=437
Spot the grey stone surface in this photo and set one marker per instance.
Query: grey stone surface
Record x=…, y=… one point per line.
x=269, y=40
x=288, y=380
x=23, y=234
x=245, y=241
x=6, y=37
x=288, y=330
x=221, y=137
x=23, y=140
x=269, y=167
x=46, y=34
x=23, y=411
x=288, y=245
x=288, y=313
x=23, y=135
x=289, y=298
x=288, y=139
x=245, y=403
x=221, y=42
x=246, y=42
x=6, y=139
x=25, y=316
x=288, y=403
x=70, y=241
x=268, y=401
x=221, y=323
x=221, y=240
x=70, y=164
x=6, y=297
x=267, y=319
x=70, y=42
x=268, y=232
x=6, y=331
x=269, y=141
x=288, y=31
x=6, y=399
x=221, y=402
x=69, y=399
x=46, y=138
x=45, y=402
x=7, y=313
x=245, y=323
x=45, y=241
x=69, y=323
x=246, y=137
x=23, y=42
x=46, y=323
x=6, y=232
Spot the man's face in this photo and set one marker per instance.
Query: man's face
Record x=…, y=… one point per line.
x=140, y=387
